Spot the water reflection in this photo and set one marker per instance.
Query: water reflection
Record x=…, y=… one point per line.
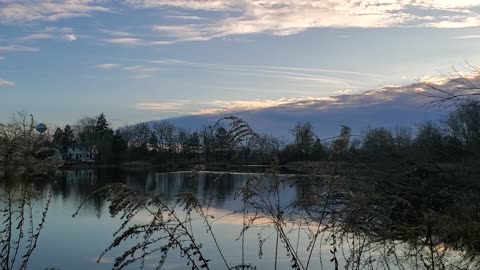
x=23, y=218
x=75, y=243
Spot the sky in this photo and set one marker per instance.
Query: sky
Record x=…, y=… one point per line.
x=139, y=60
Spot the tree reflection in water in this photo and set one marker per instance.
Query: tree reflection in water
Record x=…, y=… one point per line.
x=424, y=219
x=21, y=222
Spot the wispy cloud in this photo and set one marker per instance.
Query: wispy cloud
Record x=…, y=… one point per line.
x=38, y=36
x=137, y=71
x=108, y=66
x=17, y=48
x=178, y=106
x=287, y=17
x=171, y=61
x=19, y=11
x=63, y=33
x=125, y=41
x=462, y=21
x=215, y=5
x=332, y=77
x=141, y=68
x=280, y=68
x=466, y=37
x=141, y=71
x=185, y=17
x=6, y=83
x=215, y=106
x=70, y=37
x=231, y=18
x=118, y=33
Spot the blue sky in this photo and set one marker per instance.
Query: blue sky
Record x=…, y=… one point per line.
x=140, y=60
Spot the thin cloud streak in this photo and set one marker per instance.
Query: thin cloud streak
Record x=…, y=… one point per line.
x=466, y=37
x=21, y=11
x=125, y=41
x=137, y=71
x=6, y=83
x=356, y=80
x=141, y=68
x=17, y=48
x=108, y=66
x=172, y=61
x=64, y=33
x=38, y=36
x=292, y=73
x=202, y=107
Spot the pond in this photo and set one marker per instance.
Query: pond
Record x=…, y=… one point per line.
x=76, y=242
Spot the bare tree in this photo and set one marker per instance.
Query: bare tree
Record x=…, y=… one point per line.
x=164, y=131
x=86, y=131
x=454, y=87
x=464, y=123
x=304, y=138
x=23, y=149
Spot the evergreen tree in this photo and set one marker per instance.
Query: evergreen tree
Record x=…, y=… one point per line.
x=102, y=124
x=58, y=138
x=68, y=136
x=119, y=148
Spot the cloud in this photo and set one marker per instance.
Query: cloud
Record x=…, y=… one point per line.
x=466, y=37
x=171, y=61
x=389, y=106
x=214, y=5
x=125, y=41
x=185, y=17
x=413, y=95
x=122, y=37
x=161, y=42
x=277, y=68
x=234, y=18
x=108, y=66
x=21, y=11
x=188, y=106
x=2, y=58
x=457, y=22
x=117, y=33
x=141, y=68
x=17, y=48
x=64, y=33
x=38, y=36
x=178, y=106
x=70, y=37
x=140, y=76
x=288, y=17
x=137, y=71
x=6, y=83
x=331, y=77
x=141, y=71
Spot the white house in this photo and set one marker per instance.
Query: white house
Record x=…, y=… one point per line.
x=78, y=152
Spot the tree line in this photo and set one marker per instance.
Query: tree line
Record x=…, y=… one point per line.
x=456, y=136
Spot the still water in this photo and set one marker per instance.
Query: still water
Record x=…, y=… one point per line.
x=68, y=242
x=76, y=242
